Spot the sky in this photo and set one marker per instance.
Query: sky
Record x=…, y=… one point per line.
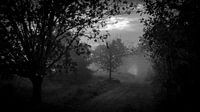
x=126, y=27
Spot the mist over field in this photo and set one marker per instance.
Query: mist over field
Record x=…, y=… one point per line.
x=134, y=68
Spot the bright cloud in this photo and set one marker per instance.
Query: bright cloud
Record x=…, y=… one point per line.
x=119, y=23
x=127, y=27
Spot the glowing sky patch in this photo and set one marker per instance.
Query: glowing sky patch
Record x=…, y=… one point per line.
x=127, y=27
x=119, y=23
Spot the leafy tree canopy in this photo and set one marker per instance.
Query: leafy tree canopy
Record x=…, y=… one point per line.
x=35, y=34
x=32, y=30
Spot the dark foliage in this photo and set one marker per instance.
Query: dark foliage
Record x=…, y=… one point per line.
x=171, y=38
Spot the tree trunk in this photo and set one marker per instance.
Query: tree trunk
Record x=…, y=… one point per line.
x=110, y=74
x=110, y=69
x=37, y=89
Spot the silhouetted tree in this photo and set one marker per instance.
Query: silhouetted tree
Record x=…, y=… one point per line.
x=36, y=33
x=109, y=56
x=171, y=40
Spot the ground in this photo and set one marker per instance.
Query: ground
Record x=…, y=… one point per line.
x=128, y=97
x=98, y=94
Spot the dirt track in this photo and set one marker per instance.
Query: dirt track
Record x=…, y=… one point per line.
x=129, y=97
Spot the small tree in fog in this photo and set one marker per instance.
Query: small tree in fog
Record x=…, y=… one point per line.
x=109, y=57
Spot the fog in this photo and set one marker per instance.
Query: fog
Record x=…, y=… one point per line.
x=137, y=65
x=134, y=68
